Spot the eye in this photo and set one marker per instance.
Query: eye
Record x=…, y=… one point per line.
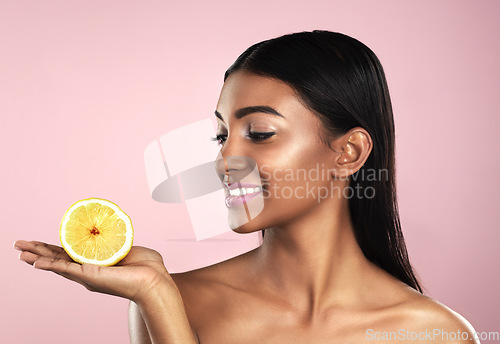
x=260, y=136
x=220, y=138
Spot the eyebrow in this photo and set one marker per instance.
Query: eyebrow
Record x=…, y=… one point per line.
x=252, y=109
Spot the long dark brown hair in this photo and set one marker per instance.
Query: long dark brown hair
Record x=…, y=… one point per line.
x=342, y=81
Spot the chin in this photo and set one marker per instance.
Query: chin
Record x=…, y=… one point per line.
x=243, y=225
x=245, y=218
x=237, y=226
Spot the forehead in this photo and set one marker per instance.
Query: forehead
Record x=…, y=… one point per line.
x=242, y=89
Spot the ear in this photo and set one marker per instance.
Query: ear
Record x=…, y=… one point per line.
x=353, y=149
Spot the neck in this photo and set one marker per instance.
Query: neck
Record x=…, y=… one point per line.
x=314, y=260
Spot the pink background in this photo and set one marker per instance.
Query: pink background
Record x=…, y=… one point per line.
x=86, y=85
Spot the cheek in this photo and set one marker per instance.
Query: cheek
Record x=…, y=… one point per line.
x=294, y=164
x=296, y=183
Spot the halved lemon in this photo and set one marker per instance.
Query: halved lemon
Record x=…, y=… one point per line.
x=96, y=231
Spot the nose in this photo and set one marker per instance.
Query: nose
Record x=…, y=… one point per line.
x=231, y=169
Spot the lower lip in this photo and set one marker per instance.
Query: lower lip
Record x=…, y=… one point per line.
x=235, y=201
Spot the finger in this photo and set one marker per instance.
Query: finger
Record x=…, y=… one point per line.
x=84, y=274
x=31, y=258
x=28, y=257
x=57, y=265
x=42, y=249
x=54, y=248
x=49, y=250
x=88, y=275
x=43, y=263
x=71, y=278
x=19, y=244
x=142, y=252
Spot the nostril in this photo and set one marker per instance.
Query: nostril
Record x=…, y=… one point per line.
x=234, y=168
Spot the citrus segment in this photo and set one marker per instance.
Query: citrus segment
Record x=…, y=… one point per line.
x=96, y=231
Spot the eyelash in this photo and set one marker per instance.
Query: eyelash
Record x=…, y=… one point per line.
x=219, y=138
x=254, y=136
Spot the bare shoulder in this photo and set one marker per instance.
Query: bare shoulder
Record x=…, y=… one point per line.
x=201, y=289
x=423, y=314
x=221, y=274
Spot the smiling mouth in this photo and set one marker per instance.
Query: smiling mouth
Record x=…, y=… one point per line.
x=240, y=193
x=244, y=191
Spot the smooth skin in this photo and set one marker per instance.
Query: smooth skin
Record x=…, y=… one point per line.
x=308, y=282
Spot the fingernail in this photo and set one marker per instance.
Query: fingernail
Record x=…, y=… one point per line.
x=14, y=245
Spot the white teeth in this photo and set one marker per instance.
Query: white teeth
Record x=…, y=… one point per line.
x=244, y=191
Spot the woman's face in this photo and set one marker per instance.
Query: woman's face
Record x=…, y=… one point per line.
x=263, y=120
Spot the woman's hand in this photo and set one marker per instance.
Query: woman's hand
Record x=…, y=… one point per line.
x=134, y=277
x=140, y=277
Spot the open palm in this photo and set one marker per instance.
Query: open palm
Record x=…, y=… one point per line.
x=132, y=278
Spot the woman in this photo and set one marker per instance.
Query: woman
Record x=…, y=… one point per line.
x=333, y=265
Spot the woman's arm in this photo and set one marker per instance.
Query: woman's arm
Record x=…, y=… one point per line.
x=161, y=318
x=137, y=329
